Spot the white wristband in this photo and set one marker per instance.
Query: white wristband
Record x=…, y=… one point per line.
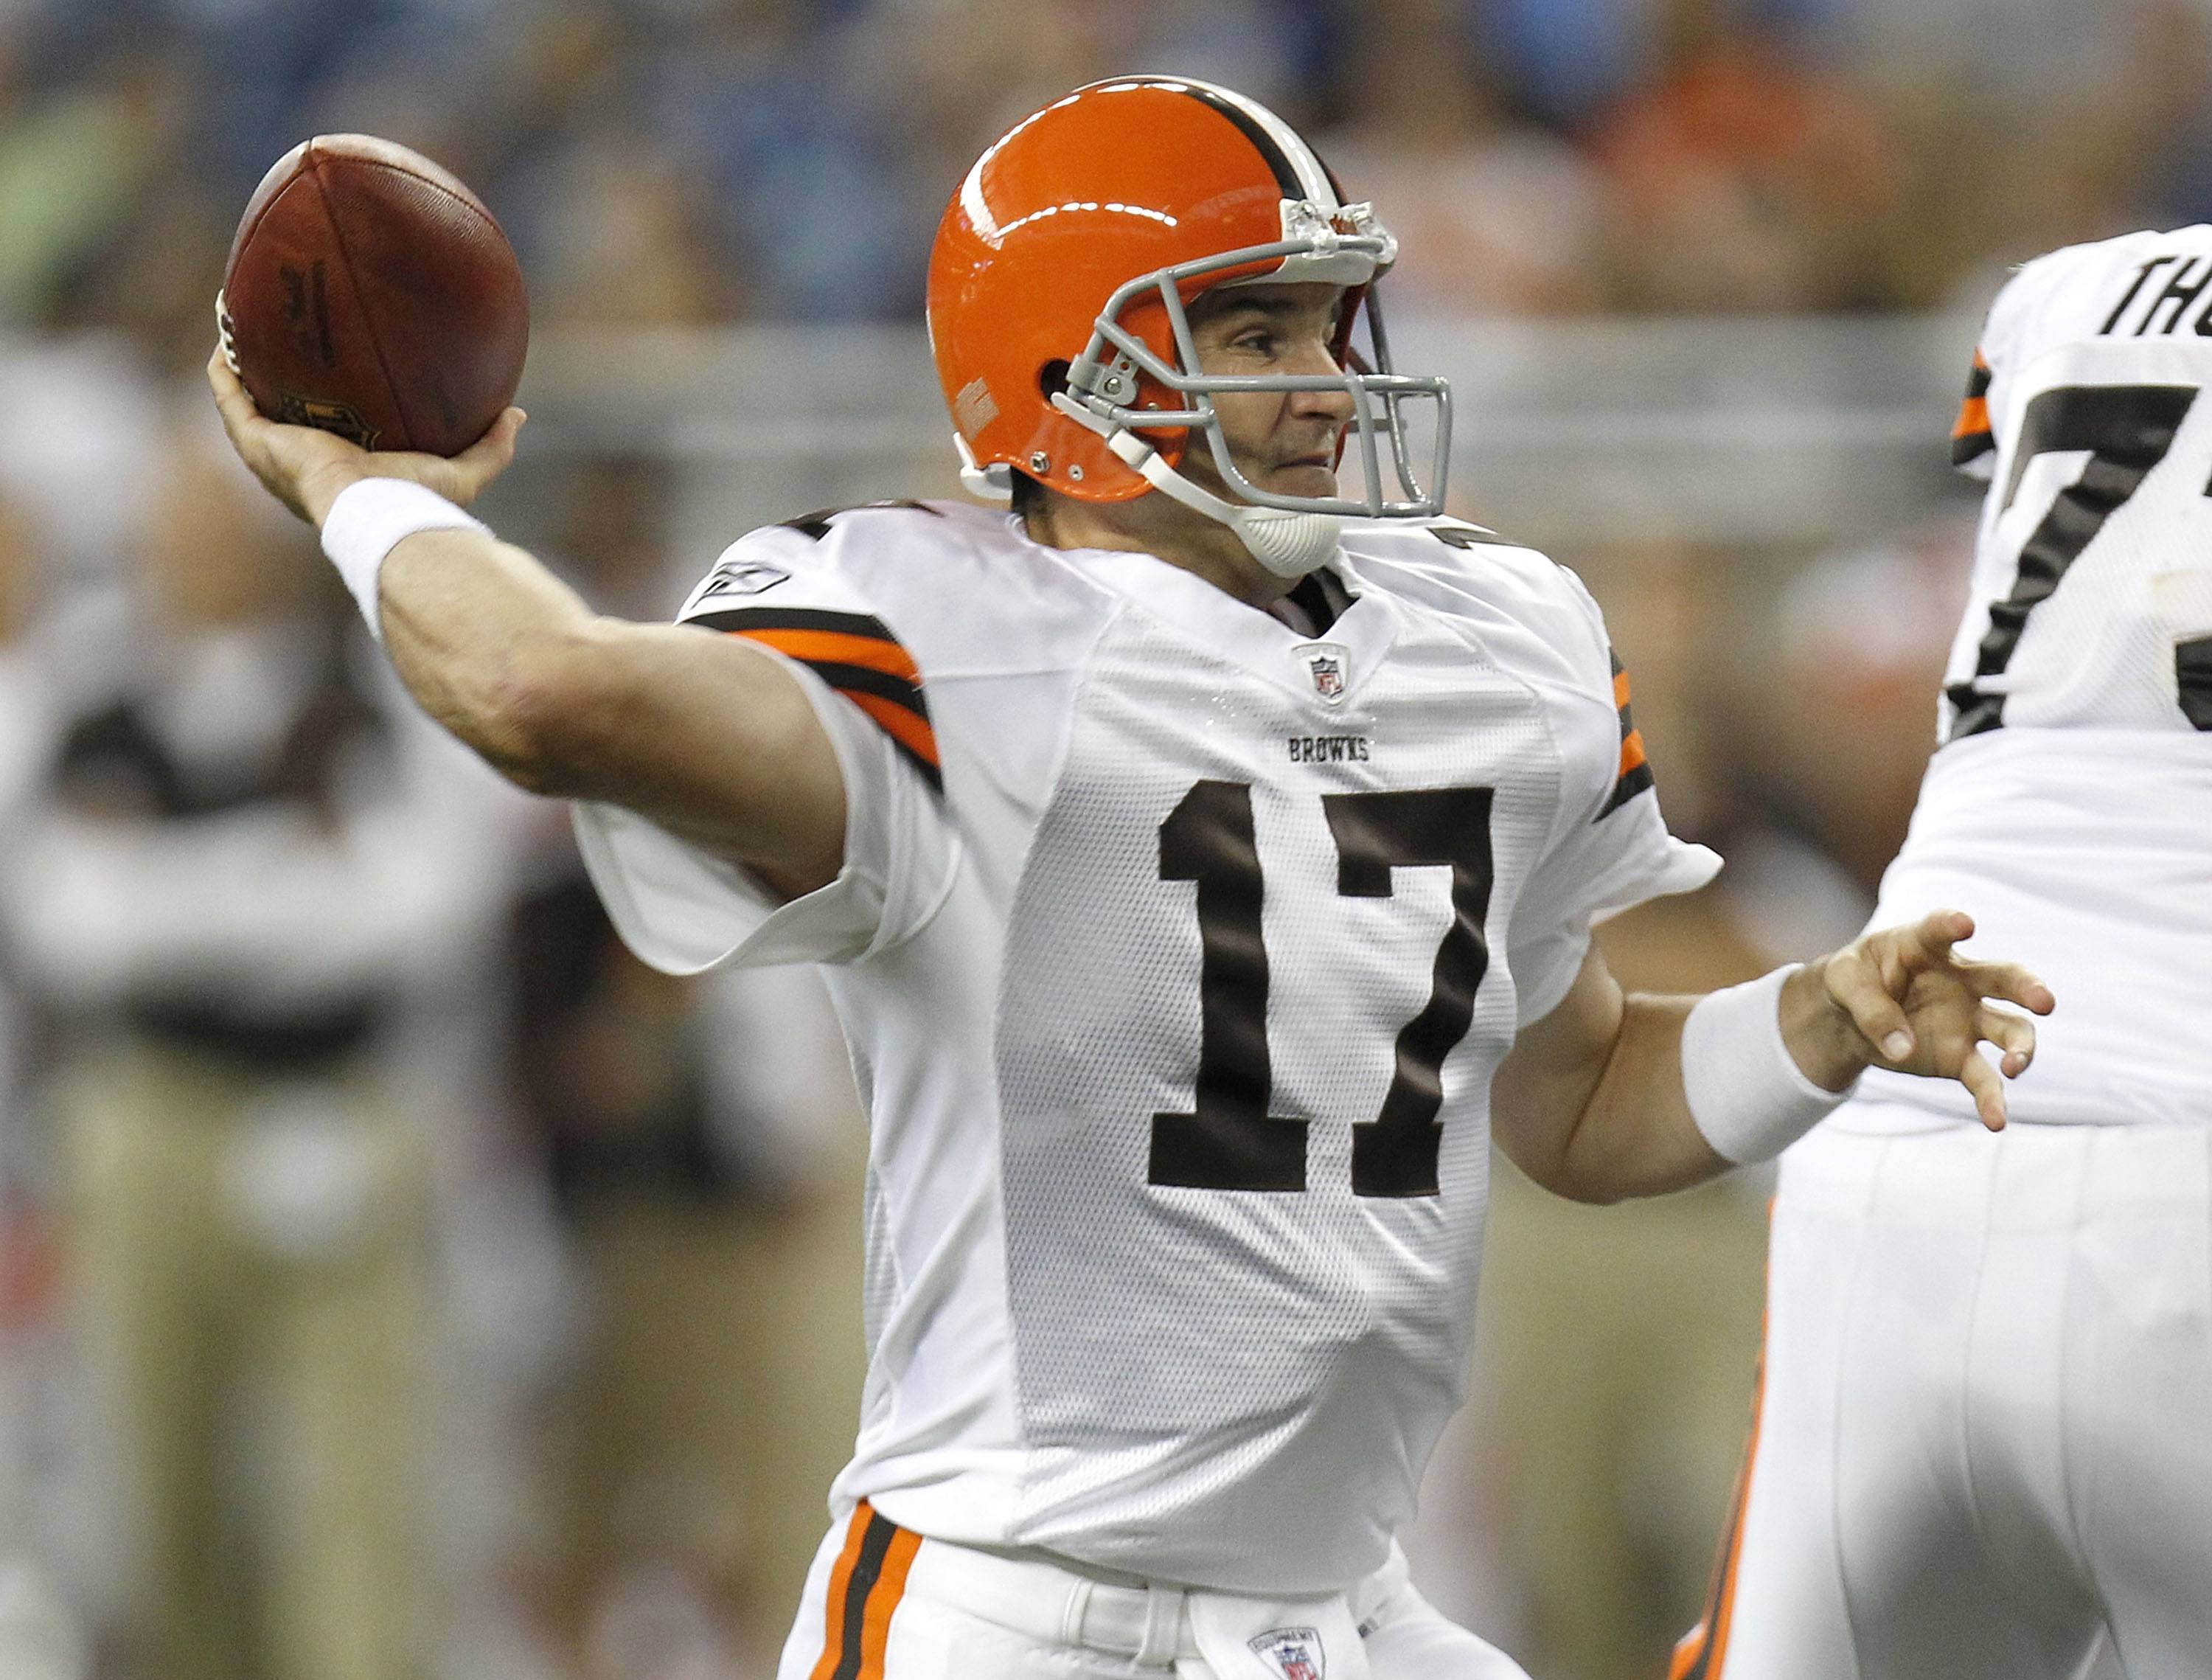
x=368, y=518
x=1746, y=1091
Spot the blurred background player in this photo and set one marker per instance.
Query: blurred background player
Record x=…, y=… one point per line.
x=227, y=899
x=253, y=910
x=1978, y=1450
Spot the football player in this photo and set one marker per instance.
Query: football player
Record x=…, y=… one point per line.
x=1989, y=1360
x=1196, y=849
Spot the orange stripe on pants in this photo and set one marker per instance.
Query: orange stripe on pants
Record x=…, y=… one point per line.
x=873, y=1562
x=890, y=1587
x=840, y=1578
x=1703, y=1649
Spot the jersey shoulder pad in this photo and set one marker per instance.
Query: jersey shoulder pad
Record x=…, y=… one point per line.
x=802, y=556
x=2114, y=255
x=1464, y=570
x=1456, y=554
x=965, y=586
x=2083, y=291
x=1465, y=573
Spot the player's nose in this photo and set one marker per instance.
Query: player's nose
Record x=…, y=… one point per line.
x=1332, y=402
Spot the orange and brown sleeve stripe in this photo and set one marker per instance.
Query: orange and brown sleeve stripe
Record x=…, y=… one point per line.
x=1634, y=775
x=1970, y=437
x=859, y=657
x=866, y=1586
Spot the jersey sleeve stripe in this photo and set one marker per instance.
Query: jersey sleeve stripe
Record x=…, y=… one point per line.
x=910, y=734
x=857, y=655
x=1634, y=775
x=1631, y=752
x=741, y=619
x=864, y=679
x=1970, y=437
x=1631, y=783
x=816, y=647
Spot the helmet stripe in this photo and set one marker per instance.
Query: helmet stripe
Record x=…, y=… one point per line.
x=1297, y=171
x=1314, y=181
x=1286, y=174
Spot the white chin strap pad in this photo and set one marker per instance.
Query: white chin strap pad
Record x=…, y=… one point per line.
x=1288, y=544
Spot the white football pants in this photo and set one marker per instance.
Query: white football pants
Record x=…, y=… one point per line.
x=1985, y=1432
x=882, y=1603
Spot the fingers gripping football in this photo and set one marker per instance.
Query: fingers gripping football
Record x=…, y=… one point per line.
x=305, y=468
x=1921, y=1009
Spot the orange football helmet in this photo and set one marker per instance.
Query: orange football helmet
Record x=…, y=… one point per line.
x=1057, y=293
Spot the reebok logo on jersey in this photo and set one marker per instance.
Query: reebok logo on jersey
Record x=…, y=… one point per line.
x=1295, y=1653
x=740, y=577
x=1328, y=749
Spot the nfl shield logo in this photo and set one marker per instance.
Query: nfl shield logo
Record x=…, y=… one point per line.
x=1326, y=666
x=326, y=414
x=1293, y=1652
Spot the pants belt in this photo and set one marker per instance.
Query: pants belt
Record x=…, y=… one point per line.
x=1146, y=1624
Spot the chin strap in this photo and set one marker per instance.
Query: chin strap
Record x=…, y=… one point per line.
x=1288, y=544
x=995, y=483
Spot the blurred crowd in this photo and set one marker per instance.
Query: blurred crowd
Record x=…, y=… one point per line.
x=710, y=161
x=396, y=1279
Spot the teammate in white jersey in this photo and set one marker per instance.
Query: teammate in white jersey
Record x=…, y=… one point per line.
x=1988, y=1378
x=1188, y=848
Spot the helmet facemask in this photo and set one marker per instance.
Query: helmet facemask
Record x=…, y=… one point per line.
x=1289, y=535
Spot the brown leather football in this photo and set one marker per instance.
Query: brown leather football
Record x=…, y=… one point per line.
x=370, y=293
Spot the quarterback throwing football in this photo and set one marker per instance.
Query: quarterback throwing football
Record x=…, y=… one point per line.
x=1203, y=855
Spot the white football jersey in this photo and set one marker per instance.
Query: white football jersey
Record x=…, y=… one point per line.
x=2069, y=808
x=1175, y=951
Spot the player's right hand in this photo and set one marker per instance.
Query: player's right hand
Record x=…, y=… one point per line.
x=305, y=469
x=1902, y=998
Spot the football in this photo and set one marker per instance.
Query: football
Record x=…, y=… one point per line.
x=370, y=293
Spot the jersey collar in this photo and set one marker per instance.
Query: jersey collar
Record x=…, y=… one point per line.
x=1257, y=641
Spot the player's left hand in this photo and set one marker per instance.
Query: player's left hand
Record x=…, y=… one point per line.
x=305, y=469
x=1902, y=998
